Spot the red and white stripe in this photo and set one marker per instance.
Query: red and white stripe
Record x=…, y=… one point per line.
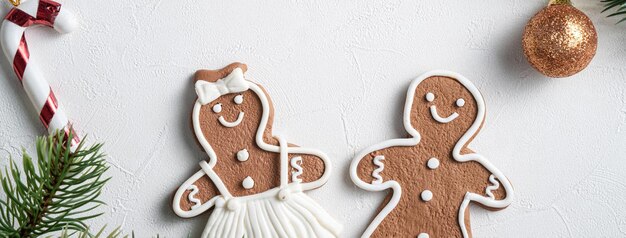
x=27, y=14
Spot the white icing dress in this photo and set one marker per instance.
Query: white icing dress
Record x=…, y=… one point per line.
x=284, y=211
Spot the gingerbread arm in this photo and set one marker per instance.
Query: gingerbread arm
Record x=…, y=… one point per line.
x=310, y=167
x=495, y=190
x=195, y=196
x=495, y=193
x=367, y=171
x=372, y=166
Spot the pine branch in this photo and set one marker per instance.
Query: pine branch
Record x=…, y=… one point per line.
x=620, y=5
x=117, y=233
x=60, y=193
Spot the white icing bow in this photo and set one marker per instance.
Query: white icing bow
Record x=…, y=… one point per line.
x=233, y=83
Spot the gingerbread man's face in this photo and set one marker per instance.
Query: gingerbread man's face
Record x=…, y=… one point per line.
x=443, y=107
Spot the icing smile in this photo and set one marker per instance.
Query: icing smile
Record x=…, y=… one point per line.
x=430, y=97
x=433, y=112
x=235, y=123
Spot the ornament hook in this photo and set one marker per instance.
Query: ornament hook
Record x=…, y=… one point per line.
x=15, y=3
x=565, y=2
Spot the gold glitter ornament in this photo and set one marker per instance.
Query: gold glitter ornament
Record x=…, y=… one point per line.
x=560, y=40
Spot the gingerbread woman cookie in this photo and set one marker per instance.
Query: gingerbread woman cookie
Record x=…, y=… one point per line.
x=253, y=181
x=432, y=174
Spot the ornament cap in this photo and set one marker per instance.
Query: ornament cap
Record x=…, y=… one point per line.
x=15, y=3
x=565, y=2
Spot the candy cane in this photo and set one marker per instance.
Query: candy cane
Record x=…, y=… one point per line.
x=33, y=13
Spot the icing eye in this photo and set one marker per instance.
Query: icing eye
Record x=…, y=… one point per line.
x=460, y=102
x=430, y=97
x=217, y=108
x=238, y=99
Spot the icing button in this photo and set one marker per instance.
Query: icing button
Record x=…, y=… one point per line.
x=248, y=183
x=220, y=202
x=427, y=195
x=243, y=155
x=283, y=194
x=423, y=235
x=433, y=163
x=232, y=204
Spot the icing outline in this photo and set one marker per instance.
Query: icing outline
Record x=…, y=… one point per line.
x=415, y=138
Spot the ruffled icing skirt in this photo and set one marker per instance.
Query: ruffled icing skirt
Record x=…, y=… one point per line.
x=269, y=216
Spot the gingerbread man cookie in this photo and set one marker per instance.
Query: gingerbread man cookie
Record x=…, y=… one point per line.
x=253, y=181
x=432, y=174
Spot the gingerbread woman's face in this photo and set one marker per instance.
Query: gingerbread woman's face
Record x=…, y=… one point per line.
x=228, y=110
x=227, y=120
x=442, y=107
x=237, y=118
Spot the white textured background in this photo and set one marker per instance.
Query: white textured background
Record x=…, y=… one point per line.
x=337, y=72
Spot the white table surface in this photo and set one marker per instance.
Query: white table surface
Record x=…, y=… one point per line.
x=337, y=72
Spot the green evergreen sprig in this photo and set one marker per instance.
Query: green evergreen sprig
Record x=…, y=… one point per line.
x=619, y=4
x=117, y=233
x=59, y=194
